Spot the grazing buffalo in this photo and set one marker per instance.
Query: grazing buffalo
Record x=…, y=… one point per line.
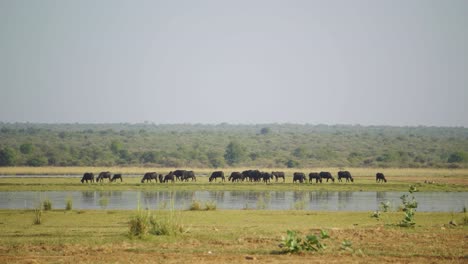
x=299, y=176
x=188, y=175
x=217, y=174
x=149, y=177
x=266, y=177
x=278, y=174
x=116, y=177
x=169, y=177
x=236, y=176
x=104, y=175
x=88, y=176
x=380, y=177
x=253, y=175
x=316, y=176
x=326, y=175
x=346, y=175
x=179, y=174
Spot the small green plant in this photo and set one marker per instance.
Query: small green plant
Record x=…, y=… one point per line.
x=385, y=206
x=293, y=244
x=69, y=204
x=376, y=215
x=195, y=206
x=347, y=245
x=210, y=206
x=409, y=206
x=47, y=205
x=37, y=216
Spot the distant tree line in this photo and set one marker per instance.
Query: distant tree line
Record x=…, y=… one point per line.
x=199, y=145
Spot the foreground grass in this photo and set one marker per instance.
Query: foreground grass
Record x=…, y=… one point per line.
x=398, y=180
x=228, y=236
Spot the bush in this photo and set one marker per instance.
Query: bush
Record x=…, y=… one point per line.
x=139, y=224
x=47, y=205
x=195, y=206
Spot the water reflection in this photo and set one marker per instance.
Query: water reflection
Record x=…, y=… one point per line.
x=260, y=200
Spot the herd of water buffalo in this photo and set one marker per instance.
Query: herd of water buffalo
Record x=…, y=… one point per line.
x=248, y=175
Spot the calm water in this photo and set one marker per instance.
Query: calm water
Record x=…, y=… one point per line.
x=268, y=200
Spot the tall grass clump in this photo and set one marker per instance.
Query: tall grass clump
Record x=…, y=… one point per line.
x=167, y=223
x=47, y=205
x=139, y=223
x=465, y=216
x=37, y=216
x=210, y=206
x=69, y=204
x=195, y=206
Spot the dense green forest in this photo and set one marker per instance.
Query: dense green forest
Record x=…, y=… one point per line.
x=222, y=145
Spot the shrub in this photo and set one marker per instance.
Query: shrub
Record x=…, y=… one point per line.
x=210, y=206
x=47, y=205
x=195, y=206
x=139, y=224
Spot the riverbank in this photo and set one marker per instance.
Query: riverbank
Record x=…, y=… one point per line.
x=100, y=236
x=68, y=179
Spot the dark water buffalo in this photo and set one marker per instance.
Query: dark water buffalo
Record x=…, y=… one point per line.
x=346, y=175
x=217, y=174
x=380, y=177
x=179, y=174
x=278, y=174
x=104, y=175
x=88, y=176
x=253, y=175
x=266, y=177
x=188, y=175
x=316, y=176
x=236, y=177
x=149, y=177
x=169, y=177
x=299, y=176
x=326, y=175
x=116, y=177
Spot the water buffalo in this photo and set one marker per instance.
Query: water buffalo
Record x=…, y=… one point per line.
x=179, y=174
x=326, y=175
x=346, y=175
x=149, y=177
x=104, y=175
x=316, y=176
x=169, y=177
x=116, y=177
x=236, y=176
x=253, y=175
x=299, y=176
x=88, y=176
x=217, y=174
x=188, y=175
x=380, y=177
x=266, y=177
x=278, y=174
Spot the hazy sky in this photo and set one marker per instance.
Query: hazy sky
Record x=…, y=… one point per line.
x=254, y=61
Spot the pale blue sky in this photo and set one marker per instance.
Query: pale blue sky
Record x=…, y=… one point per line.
x=249, y=61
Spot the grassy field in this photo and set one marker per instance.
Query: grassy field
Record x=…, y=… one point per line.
x=398, y=180
x=229, y=236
